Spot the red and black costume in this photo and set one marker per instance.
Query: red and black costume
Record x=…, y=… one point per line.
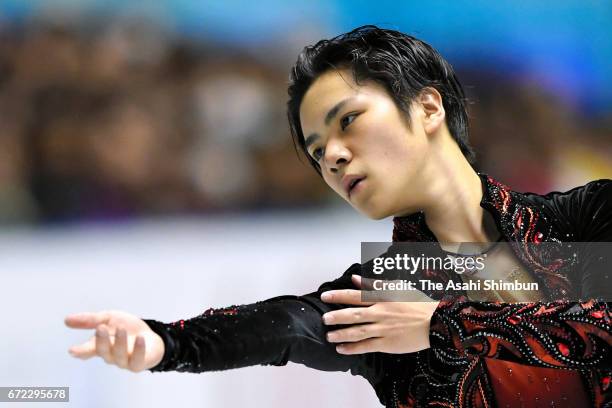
x=552, y=353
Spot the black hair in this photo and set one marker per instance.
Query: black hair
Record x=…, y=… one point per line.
x=403, y=64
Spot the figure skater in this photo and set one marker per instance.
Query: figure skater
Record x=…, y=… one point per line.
x=382, y=118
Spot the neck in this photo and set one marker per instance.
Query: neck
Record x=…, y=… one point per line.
x=453, y=195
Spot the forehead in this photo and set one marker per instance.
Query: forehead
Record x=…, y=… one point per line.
x=328, y=89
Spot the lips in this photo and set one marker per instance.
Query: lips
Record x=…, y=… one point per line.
x=349, y=182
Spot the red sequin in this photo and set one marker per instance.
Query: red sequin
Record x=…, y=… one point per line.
x=538, y=237
x=605, y=383
x=563, y=349
x=598, y=314
x=225, y=311
x=514, y=319
x=543, y=310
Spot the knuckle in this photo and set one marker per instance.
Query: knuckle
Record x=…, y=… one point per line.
x=119, y=355
x=103, y=352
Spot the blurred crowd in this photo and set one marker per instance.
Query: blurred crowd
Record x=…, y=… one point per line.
x=123, y=120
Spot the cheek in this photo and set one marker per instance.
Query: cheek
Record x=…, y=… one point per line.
x=394, y=162
x=392, y=152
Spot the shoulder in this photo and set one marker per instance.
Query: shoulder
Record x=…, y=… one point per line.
x=601, y=187
x=595, y=187
x=585, y=209
x=599, y=191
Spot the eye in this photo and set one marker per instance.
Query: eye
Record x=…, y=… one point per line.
x=317, y=154
x=347, y=120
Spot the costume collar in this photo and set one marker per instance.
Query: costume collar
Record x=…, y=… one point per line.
x=518, y=221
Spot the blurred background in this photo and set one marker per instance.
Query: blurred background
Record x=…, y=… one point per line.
x=145, y=161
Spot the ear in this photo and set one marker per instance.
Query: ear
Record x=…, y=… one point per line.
x=431, y=102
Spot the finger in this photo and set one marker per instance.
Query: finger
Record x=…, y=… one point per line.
x=351, y=315
x=85, y=350
x=137, y=359
x=344, y=296
x=86, y=320
x=356, y=280
x=103, y=344
x=364, y=346
x=119, y=350
x=353, y=334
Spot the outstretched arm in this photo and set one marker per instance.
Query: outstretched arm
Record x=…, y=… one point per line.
x=269, y=332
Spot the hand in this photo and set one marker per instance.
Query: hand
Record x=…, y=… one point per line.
x=389, y=327
x=121, y=339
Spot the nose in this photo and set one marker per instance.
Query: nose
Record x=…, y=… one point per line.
x=336, y=155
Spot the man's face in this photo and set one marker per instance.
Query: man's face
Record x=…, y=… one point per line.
x=367, y=152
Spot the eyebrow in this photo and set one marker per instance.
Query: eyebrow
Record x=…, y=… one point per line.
x=331, y=114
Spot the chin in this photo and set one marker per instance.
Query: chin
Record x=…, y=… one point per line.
x=373, y=213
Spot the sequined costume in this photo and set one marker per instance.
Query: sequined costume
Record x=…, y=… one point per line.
x=551, y=353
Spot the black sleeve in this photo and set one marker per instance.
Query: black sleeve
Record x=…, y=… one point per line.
x=585, y=212
x=269, y=332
